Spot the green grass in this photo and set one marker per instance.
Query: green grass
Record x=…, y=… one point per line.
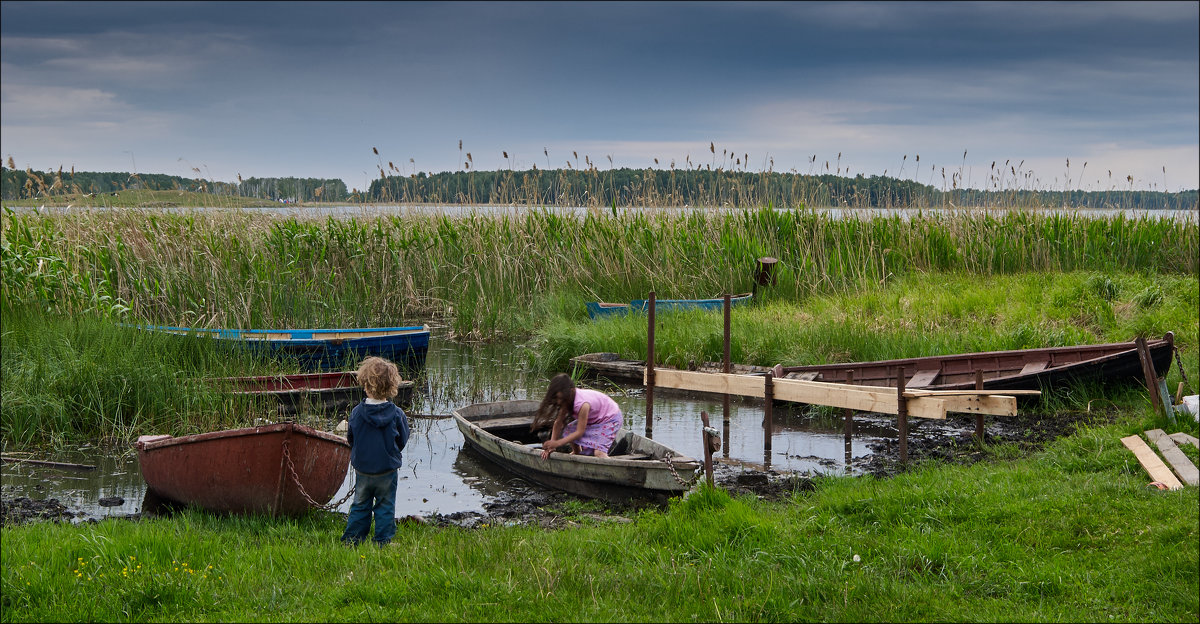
x=1070, y=534
x=917, y=315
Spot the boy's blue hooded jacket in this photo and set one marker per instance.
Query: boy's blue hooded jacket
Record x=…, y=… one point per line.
x=377, y=434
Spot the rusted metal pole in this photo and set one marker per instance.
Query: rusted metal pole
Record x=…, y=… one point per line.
x=650, y=368
x=848, y=416
x=768, y=400
x=902, y=415
x=728, y=366
x=708, y=466
x=1148, y=371
x=979, y=417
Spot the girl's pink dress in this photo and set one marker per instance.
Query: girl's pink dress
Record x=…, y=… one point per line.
x=604, y=419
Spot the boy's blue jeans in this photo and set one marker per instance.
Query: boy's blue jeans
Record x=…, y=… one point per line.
x=373, y=494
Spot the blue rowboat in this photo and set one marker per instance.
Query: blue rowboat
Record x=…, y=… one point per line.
x=327, y=349
x=599, y=309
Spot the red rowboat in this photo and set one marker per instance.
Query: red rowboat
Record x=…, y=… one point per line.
x=328, y=392
x=278, y=469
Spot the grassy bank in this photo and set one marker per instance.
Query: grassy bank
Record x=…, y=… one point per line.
x=496, y=276
x=83, y=377
x=1070, y=534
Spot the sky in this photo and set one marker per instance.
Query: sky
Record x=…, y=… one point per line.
x=1069, y=95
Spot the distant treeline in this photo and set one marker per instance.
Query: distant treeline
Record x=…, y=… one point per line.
x=620, y=187
x=19, y=184
x=654, y=187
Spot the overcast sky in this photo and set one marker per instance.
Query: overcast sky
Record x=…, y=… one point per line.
x=309, y=89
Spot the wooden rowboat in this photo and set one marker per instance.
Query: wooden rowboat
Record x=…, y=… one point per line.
x=277, y=469
x=599, y=309
x=1021, y=369
x=327, y=392
x=325, y=349
x=637, y=467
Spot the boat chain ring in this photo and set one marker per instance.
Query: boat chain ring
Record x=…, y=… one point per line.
x=296, y=480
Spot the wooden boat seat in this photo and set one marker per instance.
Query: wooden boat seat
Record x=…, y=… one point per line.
x=632, y=456
x=1033, y=367
x=922, y=378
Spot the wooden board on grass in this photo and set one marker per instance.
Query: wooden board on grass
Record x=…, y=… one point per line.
x=1183, y=438
x=1153, y=465
x=1179, y=462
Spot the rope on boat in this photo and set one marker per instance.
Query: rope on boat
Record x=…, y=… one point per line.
x=296, y=479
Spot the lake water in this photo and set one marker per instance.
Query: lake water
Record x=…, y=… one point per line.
x=441, y=476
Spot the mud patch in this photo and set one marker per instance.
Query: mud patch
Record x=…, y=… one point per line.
x=953, y=440
x=21, y=510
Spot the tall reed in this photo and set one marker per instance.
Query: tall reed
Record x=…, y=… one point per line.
x=495, y=274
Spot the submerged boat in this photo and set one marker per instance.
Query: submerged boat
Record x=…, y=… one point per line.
x=326, y=349
x=599, y=309
x=327, y=392
x=637, y=467
x=277, y=469
x=1020, y=369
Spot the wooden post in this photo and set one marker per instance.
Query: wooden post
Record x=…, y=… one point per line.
x=768, y=399
x=902, y=415
x=848, y=416
x=979, y=430
x=650, y=368
x=708, y=468
x=1149, y=373
x=727, y=368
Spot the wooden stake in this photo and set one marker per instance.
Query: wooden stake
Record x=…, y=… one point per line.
x=848, y=424
x=979, y=430
x=1148, y=372
x=768, y=399
x=708, y=467
x=728, y=366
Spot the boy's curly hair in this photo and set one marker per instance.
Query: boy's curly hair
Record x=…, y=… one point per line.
x=379, y=378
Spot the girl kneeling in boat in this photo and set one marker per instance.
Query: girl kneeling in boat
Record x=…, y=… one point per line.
x=595, y=419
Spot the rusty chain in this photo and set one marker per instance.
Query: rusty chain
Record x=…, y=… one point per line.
x=296, y=479
x=667, y=459
x=1182, y=375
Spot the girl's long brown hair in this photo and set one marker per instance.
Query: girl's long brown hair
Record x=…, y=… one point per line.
x=551, y=405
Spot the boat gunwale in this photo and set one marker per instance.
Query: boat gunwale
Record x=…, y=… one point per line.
x=198, y=438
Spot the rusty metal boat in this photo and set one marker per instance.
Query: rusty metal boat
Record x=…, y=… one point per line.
x=324, y=392
x=1020, y=369
x=277, y=469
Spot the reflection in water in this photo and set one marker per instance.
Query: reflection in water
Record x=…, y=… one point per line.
x=441, y=476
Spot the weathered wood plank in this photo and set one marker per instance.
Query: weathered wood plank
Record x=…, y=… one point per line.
x=859, y=398
x=1183, y=438
x=1179, y=462
x=1153, y=465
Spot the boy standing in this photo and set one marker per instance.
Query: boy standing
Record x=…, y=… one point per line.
x=378, y=431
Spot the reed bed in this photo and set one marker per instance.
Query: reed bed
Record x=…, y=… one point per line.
x=492, y=275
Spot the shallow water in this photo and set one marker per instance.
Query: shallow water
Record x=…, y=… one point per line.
x=441, y=476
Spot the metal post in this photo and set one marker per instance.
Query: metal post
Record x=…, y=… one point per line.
x=848, y=416
x=708, y=465
x=768, y=399
x=650, y=368
x=979, y=417
x=727, y=368
x=902, y=415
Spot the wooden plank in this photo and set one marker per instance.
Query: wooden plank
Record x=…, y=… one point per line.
x=922, y=378
x=50, y=464
x=859, y=398
x=992, y=405
x=946, y=393
x=1179, y=462
x=1153, y=465
x=1183, y=438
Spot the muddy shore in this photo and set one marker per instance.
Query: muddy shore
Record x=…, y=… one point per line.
x=950, y=441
